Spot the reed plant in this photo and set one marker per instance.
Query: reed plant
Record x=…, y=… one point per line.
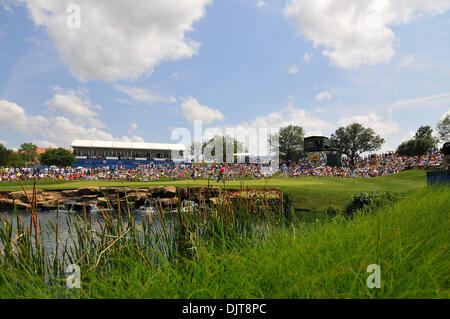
x=161, y=237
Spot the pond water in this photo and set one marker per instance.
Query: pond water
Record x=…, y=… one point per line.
x=48, y=220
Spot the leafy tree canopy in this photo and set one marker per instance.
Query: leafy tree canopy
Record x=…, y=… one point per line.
x=15, y=160
x=355, y=139
x=28, y=152
x=10, y=158
x=290, y=139
x=423, y=140
x=415, y=147
x=426, y=132
x=58, y=157
x=443, y=128
x=4, y=155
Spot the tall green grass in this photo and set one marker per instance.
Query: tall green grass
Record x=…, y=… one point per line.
x=323, y=259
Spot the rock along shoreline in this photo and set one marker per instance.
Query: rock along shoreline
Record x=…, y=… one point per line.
x=167, y=196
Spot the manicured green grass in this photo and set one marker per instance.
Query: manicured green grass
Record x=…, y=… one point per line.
x=409, y=241
x=310, y=193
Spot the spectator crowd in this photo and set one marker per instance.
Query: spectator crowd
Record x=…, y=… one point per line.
x=365, y=167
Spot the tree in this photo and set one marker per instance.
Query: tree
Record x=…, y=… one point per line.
x=415, y=147
x=443, y=128
x=29, y=153
x=10, y=158
x=290, y=142
x=4, y=155
x=226, y=140
x=425, y=132
x=58, y=157
x=355, y=139
x=15, y=160
x=423, y=140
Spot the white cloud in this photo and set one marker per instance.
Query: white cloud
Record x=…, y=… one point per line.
x=381, y=126
x=4, y=143
x=15, y=117
x=45, y=144
x=193, y=111
x=7, y=5
x=141, y=95
x=408, y=136
x=261, y=3
x=293, y=69
x=133, y=127
x=408, y=60
x=323, y=96
x=132, y=139
x=307, y=57
x=319, y=110
x=289, y=116
x=75, y=103
x=384, y=127
x=55, y=131
x=119, y=40
x=124, y=101
x=356, y=32
x=63, y=131
x=437, y=100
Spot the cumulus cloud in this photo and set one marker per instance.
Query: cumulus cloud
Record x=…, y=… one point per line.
x=193, y=111
x=381, y=126
x=408, y=136
x=307, y=57
x=76, y=104
x=384, y=127
x=118, y=40
x=323, y=96
x=356, y=32
x=133, y=127
x=141, y=95
x=261, y=3
x=293, y=69
x=45, y=144
x=55, y=131
x=15, y=117
x=289, y=116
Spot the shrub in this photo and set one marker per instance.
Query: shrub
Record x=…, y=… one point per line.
x=368, y=202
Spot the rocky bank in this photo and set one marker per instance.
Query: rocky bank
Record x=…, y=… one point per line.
x=166, y=196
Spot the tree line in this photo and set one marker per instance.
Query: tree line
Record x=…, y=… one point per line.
x=27, y=155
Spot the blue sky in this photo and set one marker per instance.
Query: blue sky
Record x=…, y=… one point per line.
x=135, y=71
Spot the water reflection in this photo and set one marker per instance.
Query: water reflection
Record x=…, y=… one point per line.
x=88, y=212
